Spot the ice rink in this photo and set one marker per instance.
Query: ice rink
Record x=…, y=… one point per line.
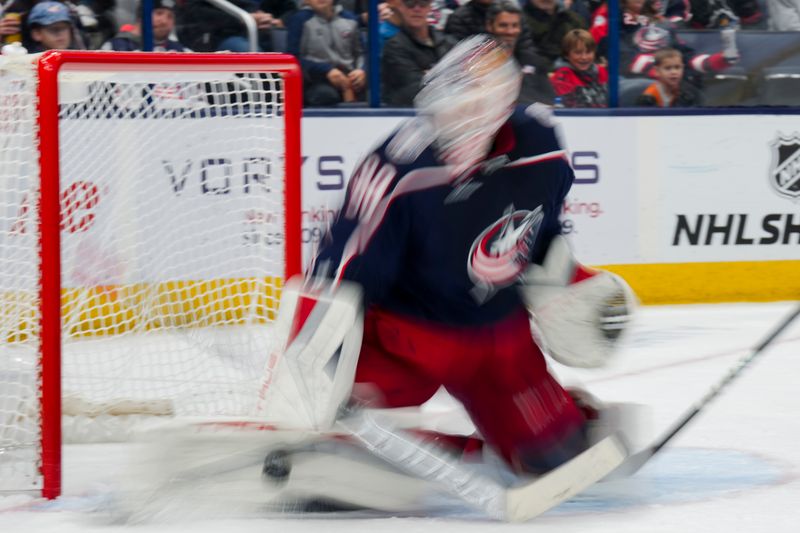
x=734, y=469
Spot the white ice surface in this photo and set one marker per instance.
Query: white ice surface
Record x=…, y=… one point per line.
x=734, y=469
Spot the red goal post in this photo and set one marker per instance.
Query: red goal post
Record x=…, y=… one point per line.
x=156, y=294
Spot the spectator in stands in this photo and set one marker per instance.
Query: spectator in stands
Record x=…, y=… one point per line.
x=11, y=21
x=784, y=15
x=441, y=11
x=129, y=38
x=584, y=8
x=97, y=20
x=549, y=23
x=390, y=22
x=391, y=19
x=670, y=88
x=51, y=27
x=638, y=60
x=327, y=42
x=644, y=31
x=205, y=28
x=411, y=53
x=578, y=80
x=635, y=14
x=470, y=19
x=87, y=27
x=504, y=22
x=361, y=9
x=724, y=13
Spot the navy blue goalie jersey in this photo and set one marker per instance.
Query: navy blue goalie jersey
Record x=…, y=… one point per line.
x=449, y=249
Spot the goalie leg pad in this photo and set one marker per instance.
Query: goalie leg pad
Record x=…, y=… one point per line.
x=317, y=338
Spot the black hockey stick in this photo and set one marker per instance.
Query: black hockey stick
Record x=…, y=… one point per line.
x=637, y=460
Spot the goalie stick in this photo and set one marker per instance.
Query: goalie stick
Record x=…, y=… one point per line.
x=514, y=504
x=638, y=460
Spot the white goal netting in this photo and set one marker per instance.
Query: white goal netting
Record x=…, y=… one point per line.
x=172, y=247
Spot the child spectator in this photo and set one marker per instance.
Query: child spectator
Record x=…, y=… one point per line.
x=51, y=27
x=89, y=27
x=637, y=56
x=578, y=80
x=643, y=30
x=129, y=38
x=670, y=89
x=327, y=41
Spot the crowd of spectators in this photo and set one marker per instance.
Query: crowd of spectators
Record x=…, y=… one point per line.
x=560, y=45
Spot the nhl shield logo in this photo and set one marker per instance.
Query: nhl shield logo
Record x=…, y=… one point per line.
x=784, y=172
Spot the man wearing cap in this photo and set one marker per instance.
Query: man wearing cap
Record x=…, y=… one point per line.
x=51, y=27
x=129, y=38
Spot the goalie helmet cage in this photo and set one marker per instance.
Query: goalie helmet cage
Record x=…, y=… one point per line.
x=194, y=264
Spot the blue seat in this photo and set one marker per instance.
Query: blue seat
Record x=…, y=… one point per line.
x=780, y=86
x=630, y=89
x=730, y=87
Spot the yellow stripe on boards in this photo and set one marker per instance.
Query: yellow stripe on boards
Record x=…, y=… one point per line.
x=117, y=309
x=741, y=281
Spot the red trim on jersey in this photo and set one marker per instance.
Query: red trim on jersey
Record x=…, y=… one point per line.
x=504, y=142
x=541, y=158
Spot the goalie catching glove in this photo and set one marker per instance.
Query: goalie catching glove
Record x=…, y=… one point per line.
x=580, y=314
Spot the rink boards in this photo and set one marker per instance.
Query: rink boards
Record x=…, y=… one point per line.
x=692, y=208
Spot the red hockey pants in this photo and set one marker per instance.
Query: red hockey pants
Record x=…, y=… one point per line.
x=496, y=371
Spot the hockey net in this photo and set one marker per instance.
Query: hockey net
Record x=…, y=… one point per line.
x=149, y=213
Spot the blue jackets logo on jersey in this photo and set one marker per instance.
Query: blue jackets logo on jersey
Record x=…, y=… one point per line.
x=502, y=251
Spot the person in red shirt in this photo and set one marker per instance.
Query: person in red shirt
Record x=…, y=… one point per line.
x=578, y=80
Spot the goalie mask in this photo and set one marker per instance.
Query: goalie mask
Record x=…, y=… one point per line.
x=467, y=96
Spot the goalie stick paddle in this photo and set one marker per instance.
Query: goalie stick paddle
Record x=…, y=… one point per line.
x=638, y=460
x=515, y=504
